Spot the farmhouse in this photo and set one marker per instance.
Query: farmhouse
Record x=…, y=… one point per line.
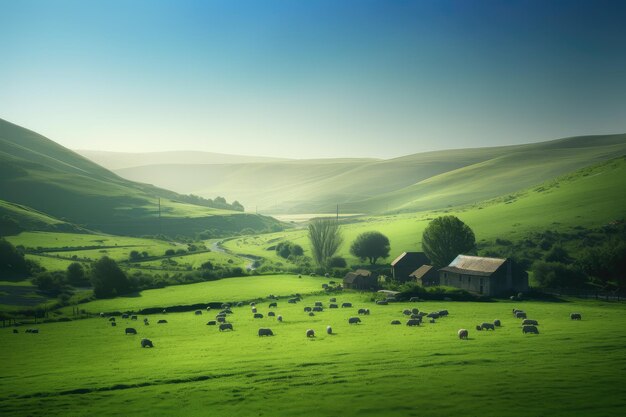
x=489, y=276
x=426, y=276
x=361, y=279
x=405, y=264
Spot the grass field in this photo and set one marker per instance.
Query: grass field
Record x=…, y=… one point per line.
x=87, y=367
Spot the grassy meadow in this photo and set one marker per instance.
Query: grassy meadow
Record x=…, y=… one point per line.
x=86, y=367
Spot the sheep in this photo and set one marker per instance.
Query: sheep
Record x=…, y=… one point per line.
x=413, y=322
x=145, y=319
x=333, y=306
x=253, y=309
x=311, y=314
x=252, y=304
x=488, y=326
x=329, y=330
x=416, y=316
x=146, y=343
x=279, y=318
x=443, y=313
x=265, y=332
x=258, y=316
x=407, y=312
x=361, y=311
x=433, y=315
x=576, y=316
x=211, y=323
x=272, y=305
x=221, y=319
x=415, y=310
x=198, y=312
x=111, y=318
x=271, y=314
x=220, y=315
x=310, y=333
x=162, y=321
x=354, y=320
x=333, y=300
x=130, y=330
x=346, y=305
x=529, y=322
x=307, y=309
x=395, y=322
x=227, y=311
x=318, y=304
x=292, y=301
x=225, y=305
x=478, y=327
x=113, y=324
x=530, y=329
x=226, y=326
x=15, y=331
x=146, y=323
x=497, y=323
x=133, y=317
x=520, y=315
x=367, y=311
x=463, y=334
x=382, y=302
x=318, y=308
x=124, y=316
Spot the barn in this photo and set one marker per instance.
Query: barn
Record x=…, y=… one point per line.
x=426, y=276
x=361, y=279
x=405, y=264
x=488, y=276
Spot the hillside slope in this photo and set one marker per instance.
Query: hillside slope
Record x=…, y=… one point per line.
x=422, y=181
x=39, y=173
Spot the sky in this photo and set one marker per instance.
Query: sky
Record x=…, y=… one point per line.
x=304, y=79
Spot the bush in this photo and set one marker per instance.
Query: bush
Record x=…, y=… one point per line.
x=337, y=262
x=558, y=275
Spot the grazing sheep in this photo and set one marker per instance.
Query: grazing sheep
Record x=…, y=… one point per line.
x=415, y=310
x=279, y=318
x=346, y=305
x=130, y=330
x=367, y=311
x=421, y=314
x=113, y=324
x=396, y=322
x=463, y=334
x=198, y=312
x=416, y=316
x=329, y=330
x=433, y=315
x=520, y=315
x=226, y=326
x=487, y=326
x=146, y=343
x=443, y=313
x=382, y=302
x=354, y=320
x=497, y=323
x=124, y=316
x=221, y=319
x=258, y=316
x=310, y=333
x=311, y=314
x=271, y=314
x=252, y=304
x=272, y=305
x=226, y=311
x=292, y=300
x=413, y=322
x=225, y=305
x=211, y=323
x=515, y=311
x=530, y=329
x=478, y=327
x=318, y=304
x=361, y=311
x=220, y=315
x=133, y=317
x=265, y=332
x=146, y=323
x=162, y=321
x=333, y=300
x=254, y=309
x=529, y=322
x=576, y=316
x=333, y=306
x=318, y=308
x=111, y=318
x=407, y=312
x=15, y=331
x=307, y=309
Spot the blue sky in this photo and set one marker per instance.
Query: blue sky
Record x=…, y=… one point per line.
x=312, y=78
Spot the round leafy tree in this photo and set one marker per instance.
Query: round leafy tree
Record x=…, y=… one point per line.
x=446, y=237
x=370, y=246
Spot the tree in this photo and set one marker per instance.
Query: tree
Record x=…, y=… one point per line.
x=325, y=238
x=12, y=262
x=52, y=283
x=371, y=246
x=446, y=237
x=108, y=279
x=75, y=275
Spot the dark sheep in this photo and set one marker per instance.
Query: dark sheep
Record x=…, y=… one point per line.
x=329, y=330
x=488, y=326
x=382, y=302
x=396, y=322
x=407, y=312
x=254, y=309
x=311, y=314
x=497, y=323
x=433, y=315
x=252, y=304
x=307, y=309
x=124, y=316
x=416, y=316
x=225, y=305
x=227, y=311
x=162, y=321
x=226, y=326
x=130, y=330
x=292, y=301
x=478, y=327
x=146, y=323
x=258, y=316
x=530, y=329
x=146, y=343
x=576, y=316
x=133, y=317
x=266, y=332
x=310, y=333
x=318, y=304
x=145, y=319
x=198, y=312
x=15, y=331
x=113, y=324
x=443, y=313
x=220, y=315
x=273, y=305
x=333, y=306
x=463, y=334
x=346, y=305
x=279, y=318
x=421, y=314
x=271, y=314
x=520, y=315
x=34, y=330
x=318, y=308
x=415, y=311
x=221, y=319
x=529, y=322
x=111, y=318
x=413, y=322
x=211, y=323
x=333, y=300
x=354, y=320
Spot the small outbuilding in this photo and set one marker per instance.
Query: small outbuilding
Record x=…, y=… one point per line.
x=361, y=279
x=426, y=276
x=405, y=264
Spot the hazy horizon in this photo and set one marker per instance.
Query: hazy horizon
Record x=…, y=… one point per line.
x=321, y=79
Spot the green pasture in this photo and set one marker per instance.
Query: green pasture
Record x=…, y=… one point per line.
x=87, y=367
x=195, y=260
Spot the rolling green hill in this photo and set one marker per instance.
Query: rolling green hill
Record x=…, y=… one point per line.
x=38, y=173
x=417, y=182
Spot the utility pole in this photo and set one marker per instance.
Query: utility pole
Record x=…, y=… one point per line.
x=337, y=213
x=160, y=230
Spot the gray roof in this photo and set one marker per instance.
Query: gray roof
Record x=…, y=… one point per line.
x=421, y=271
x=414, y=258
x=352, y=276
x=474, y=265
